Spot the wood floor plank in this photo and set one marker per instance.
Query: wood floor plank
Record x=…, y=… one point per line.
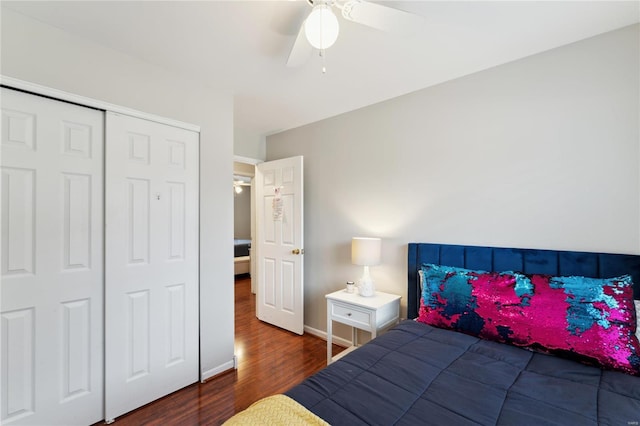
x=270, y=361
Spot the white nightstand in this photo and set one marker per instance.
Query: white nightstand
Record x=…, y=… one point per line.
x=365, y=313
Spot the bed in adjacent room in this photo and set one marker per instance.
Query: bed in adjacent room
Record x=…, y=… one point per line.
x=242, y=256
x=503, y=336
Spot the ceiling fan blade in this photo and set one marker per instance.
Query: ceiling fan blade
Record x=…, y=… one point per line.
x=382, y=17
x=301, y=50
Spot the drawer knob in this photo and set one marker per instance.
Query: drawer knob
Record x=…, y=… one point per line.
x=348, y=314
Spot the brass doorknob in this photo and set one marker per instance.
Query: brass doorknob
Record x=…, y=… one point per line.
x=297, y=251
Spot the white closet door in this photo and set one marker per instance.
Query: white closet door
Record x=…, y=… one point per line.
x=52, y=262
x=151, y=261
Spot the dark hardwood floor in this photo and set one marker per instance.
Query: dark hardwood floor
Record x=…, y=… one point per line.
x=270, y=361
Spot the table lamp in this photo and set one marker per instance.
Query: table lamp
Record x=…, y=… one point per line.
x=365, y=252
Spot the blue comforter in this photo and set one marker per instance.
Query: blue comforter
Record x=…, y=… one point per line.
x=420, y=375
x=241, y=247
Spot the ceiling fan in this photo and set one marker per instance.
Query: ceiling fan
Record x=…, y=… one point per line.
x=320, y=28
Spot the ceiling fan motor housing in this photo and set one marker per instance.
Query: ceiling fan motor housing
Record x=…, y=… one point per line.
x=321, y=27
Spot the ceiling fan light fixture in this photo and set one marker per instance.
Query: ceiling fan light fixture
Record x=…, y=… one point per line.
x=321, y=27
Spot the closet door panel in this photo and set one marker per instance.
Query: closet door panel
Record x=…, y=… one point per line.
x=52, y=262
x=18, y=225
x=151, y=261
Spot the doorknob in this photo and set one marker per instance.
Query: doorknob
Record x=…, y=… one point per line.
x=297, y=251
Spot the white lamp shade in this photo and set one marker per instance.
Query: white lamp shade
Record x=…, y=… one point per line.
x=365, y=251
x=321, y=27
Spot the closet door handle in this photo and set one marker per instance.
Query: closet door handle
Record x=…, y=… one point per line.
x=297, y=251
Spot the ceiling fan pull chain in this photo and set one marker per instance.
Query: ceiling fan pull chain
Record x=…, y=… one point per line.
x=324, y=61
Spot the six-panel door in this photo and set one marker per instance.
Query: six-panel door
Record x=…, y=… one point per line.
x=151, y=261
x=280, y=243
x=52, y=262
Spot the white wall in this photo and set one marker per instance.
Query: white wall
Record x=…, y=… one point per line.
x=538, y=153
x=42, y=54
x=249, y=144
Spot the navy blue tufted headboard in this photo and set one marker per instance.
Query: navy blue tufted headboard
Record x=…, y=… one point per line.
x=529, y=261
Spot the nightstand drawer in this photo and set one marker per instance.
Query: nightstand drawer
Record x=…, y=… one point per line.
x=348, y=315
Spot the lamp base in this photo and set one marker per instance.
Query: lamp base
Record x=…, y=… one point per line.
x=365, y=284
x=366, y=289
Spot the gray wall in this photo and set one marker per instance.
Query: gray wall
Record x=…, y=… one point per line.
x=39, y=53
x=242, y=214
x=539, y=153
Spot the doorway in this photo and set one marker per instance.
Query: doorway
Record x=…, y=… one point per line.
x=244, y=218
x=277, y=242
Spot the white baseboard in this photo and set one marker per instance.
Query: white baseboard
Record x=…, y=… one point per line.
x=323, y=335
x=229, y=365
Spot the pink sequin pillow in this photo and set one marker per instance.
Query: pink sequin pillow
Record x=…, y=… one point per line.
x=588, y=319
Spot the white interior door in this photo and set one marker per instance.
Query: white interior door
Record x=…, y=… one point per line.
x=52, y=262
x=280, y=243
x=151, y=261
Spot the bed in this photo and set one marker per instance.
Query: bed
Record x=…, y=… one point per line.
x=242, y=256
x=417, y=373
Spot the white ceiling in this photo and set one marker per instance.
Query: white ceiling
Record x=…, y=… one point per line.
x=243, y=46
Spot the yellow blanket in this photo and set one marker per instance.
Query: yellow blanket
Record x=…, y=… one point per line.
x=275, y=410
